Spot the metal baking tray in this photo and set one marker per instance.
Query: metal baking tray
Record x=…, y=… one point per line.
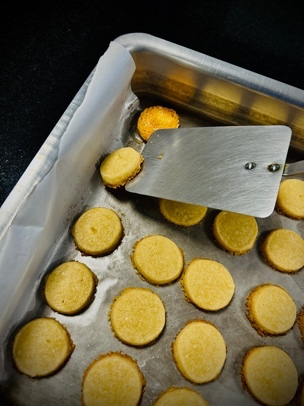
x=63, y=180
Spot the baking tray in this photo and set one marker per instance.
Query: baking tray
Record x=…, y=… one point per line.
x=63, y=180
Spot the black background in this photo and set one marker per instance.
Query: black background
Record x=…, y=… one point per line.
x=49, y=48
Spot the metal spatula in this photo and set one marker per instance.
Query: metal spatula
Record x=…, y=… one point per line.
x=237, y=168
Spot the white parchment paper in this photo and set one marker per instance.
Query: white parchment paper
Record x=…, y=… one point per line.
x=31, y=217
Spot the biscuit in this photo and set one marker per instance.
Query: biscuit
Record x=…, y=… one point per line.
x=156, y=118
x=120, y=166
x=199, y=351
x=290, y=199
x=300, y=322
x=235, y=233
x=283, y=250
x=41, y=347
x=98, y=231
x=182, y=214
x=70, y=287
x=271, y=310
x=270, y=375
x=137, y=316
x=184, y=396
x=158, y=259
x=112, y=379
x=208, y=284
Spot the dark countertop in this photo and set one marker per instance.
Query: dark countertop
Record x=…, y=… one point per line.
x=48, y=49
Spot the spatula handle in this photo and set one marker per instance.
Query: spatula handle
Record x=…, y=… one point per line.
x=294, y=168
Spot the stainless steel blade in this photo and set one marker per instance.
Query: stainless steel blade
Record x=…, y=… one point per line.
x=237, y=168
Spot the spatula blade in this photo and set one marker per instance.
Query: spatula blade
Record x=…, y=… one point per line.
x=226, y=168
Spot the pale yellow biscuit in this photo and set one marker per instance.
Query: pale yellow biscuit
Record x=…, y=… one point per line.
x=271, y=309
x=182, y=214
x=113, y=379
x=199, y=351
x=284, y=250
x=41, y=347
x=235, y=233
x=137, y=316
x=290, y=200
x=208, y=284
x=70, y=287
x=158, y=259
x=97, y=231
x=184, y=396
x=156, y=118
x=120, y=166
x=270, y=375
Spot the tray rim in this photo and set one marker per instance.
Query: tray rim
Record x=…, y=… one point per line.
x=138, y=42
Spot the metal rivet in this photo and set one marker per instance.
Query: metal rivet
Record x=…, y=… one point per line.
x=250, y=165
x=273, y=167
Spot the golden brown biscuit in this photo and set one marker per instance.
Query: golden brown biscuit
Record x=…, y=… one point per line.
x=290, y=200
x=98, y=231
x=300, y=322
x=156, y=118
x=284, y=250
x=158, y=259
x=41, y=347
x=271, y=310
x=182, y=214
x=175, y=396
x=199, y=351
x=113, y=379
x=70, y=287
x=208, y=284
x=120, y=166
x=137, y=316
x=235, y=233
x=270, y=375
